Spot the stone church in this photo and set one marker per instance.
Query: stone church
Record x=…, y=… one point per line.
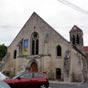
x=38, y=47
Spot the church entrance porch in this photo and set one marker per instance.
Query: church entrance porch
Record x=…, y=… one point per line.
x=34, y=67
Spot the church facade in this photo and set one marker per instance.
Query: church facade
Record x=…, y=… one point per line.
x=39, y=47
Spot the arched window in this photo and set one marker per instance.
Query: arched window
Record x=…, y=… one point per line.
x=73, y=40
x=58, y=50
x=35, y=43
x=15, y=54
x=77, y=39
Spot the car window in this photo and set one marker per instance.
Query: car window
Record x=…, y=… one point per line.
x=37, y=75
x=28, y=75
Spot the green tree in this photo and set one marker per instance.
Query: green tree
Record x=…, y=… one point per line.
x=3, y=51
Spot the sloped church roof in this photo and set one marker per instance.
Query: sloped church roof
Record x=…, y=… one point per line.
x=34, y=15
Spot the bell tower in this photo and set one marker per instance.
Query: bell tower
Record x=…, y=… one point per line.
x=76, y=37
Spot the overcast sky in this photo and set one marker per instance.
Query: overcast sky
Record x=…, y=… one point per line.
x=14, y=14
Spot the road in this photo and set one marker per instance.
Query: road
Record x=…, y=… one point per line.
x=57, y=85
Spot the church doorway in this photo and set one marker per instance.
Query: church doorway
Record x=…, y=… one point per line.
x=58, y=73
x=34, y=67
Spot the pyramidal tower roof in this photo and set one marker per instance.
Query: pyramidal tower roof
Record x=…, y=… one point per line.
x=75, y=29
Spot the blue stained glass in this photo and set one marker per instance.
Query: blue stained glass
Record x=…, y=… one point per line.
x=25, y=43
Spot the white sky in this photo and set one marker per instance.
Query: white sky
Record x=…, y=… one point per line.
x=14, y=14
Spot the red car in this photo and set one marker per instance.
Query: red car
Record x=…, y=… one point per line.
x=29, y=80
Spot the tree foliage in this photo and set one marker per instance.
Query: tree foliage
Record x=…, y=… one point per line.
x=3, y=51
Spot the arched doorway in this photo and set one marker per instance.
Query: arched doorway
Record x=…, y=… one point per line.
x=58, y=73
x=34, y=67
